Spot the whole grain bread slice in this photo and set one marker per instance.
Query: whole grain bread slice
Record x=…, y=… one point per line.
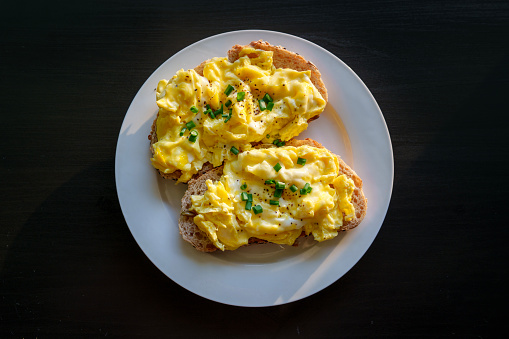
x=192, y=234
x=282, y=58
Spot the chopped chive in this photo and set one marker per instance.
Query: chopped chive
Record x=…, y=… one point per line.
x=228, y=90
x=208, y=111
x=194, y=133
x=248, y=205
x=228, y=103
x=268, y=136
x=278, y=193
x=240, y=96
x=270, y=106
x=279, y=143
x=257, y=209
x=293, y=188
x=244, y=186
x=262, y=104
x=267, y=98
x=182, y=131
x=192, y=136
x=207, y=106
x=280, y=185
x=250, y=197
x=194, y=109
x=270, y=182
x=219, y=111
x=307, y=189
x=274, y=202
x=277, y=167
x=301, y=161
x=243, y=196
x=224, y=115
x=229, y=116
x=234, y=150
x=212, y=115
x=190, y=125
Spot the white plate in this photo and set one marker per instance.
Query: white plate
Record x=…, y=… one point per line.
x=352, y=126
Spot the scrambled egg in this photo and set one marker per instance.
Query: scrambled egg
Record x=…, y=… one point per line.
x=207, y=118
x=275, y=194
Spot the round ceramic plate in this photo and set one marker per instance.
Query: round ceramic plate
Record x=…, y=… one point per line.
x=351, y=126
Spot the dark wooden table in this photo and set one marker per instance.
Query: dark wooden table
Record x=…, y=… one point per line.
x=69, y=266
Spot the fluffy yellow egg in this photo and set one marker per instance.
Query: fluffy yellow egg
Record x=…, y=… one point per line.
x=275, y=194
x=201, y=118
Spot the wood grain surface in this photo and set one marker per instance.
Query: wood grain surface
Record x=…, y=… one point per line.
x=69, y=266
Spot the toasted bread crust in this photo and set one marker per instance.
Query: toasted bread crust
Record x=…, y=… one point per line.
x=192, y=234
x=282, y=58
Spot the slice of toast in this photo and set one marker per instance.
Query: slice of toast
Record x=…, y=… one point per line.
x=192, y=234
x=282, y=58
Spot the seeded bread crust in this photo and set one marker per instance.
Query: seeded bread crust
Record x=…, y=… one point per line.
x=282, y=58
x=192, y=234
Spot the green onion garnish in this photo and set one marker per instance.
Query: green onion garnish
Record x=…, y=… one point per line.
x=192, y=136
x=190, y=125
x=278, y=193
x=301, y=161
x=240, y=96
x=229, y=116
x=250, y=197
x=268, y=136
x=307, y=189
x=243, y=196
x=262, y=104
x=248, y=205
x=270, y=182
x=257, y=209
x=234, y=150
x=208, y=111
x=228, y=90
x=219, y=111
x=182, y=131
x=277, y=167
x=270, y=106
x=279, y=143
x=194, y=109
x=267, y=98
x=228, y=103
x=280, y=185
x=212, y=115
x=294, y=188
x=244, y=186
x=274, y=202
